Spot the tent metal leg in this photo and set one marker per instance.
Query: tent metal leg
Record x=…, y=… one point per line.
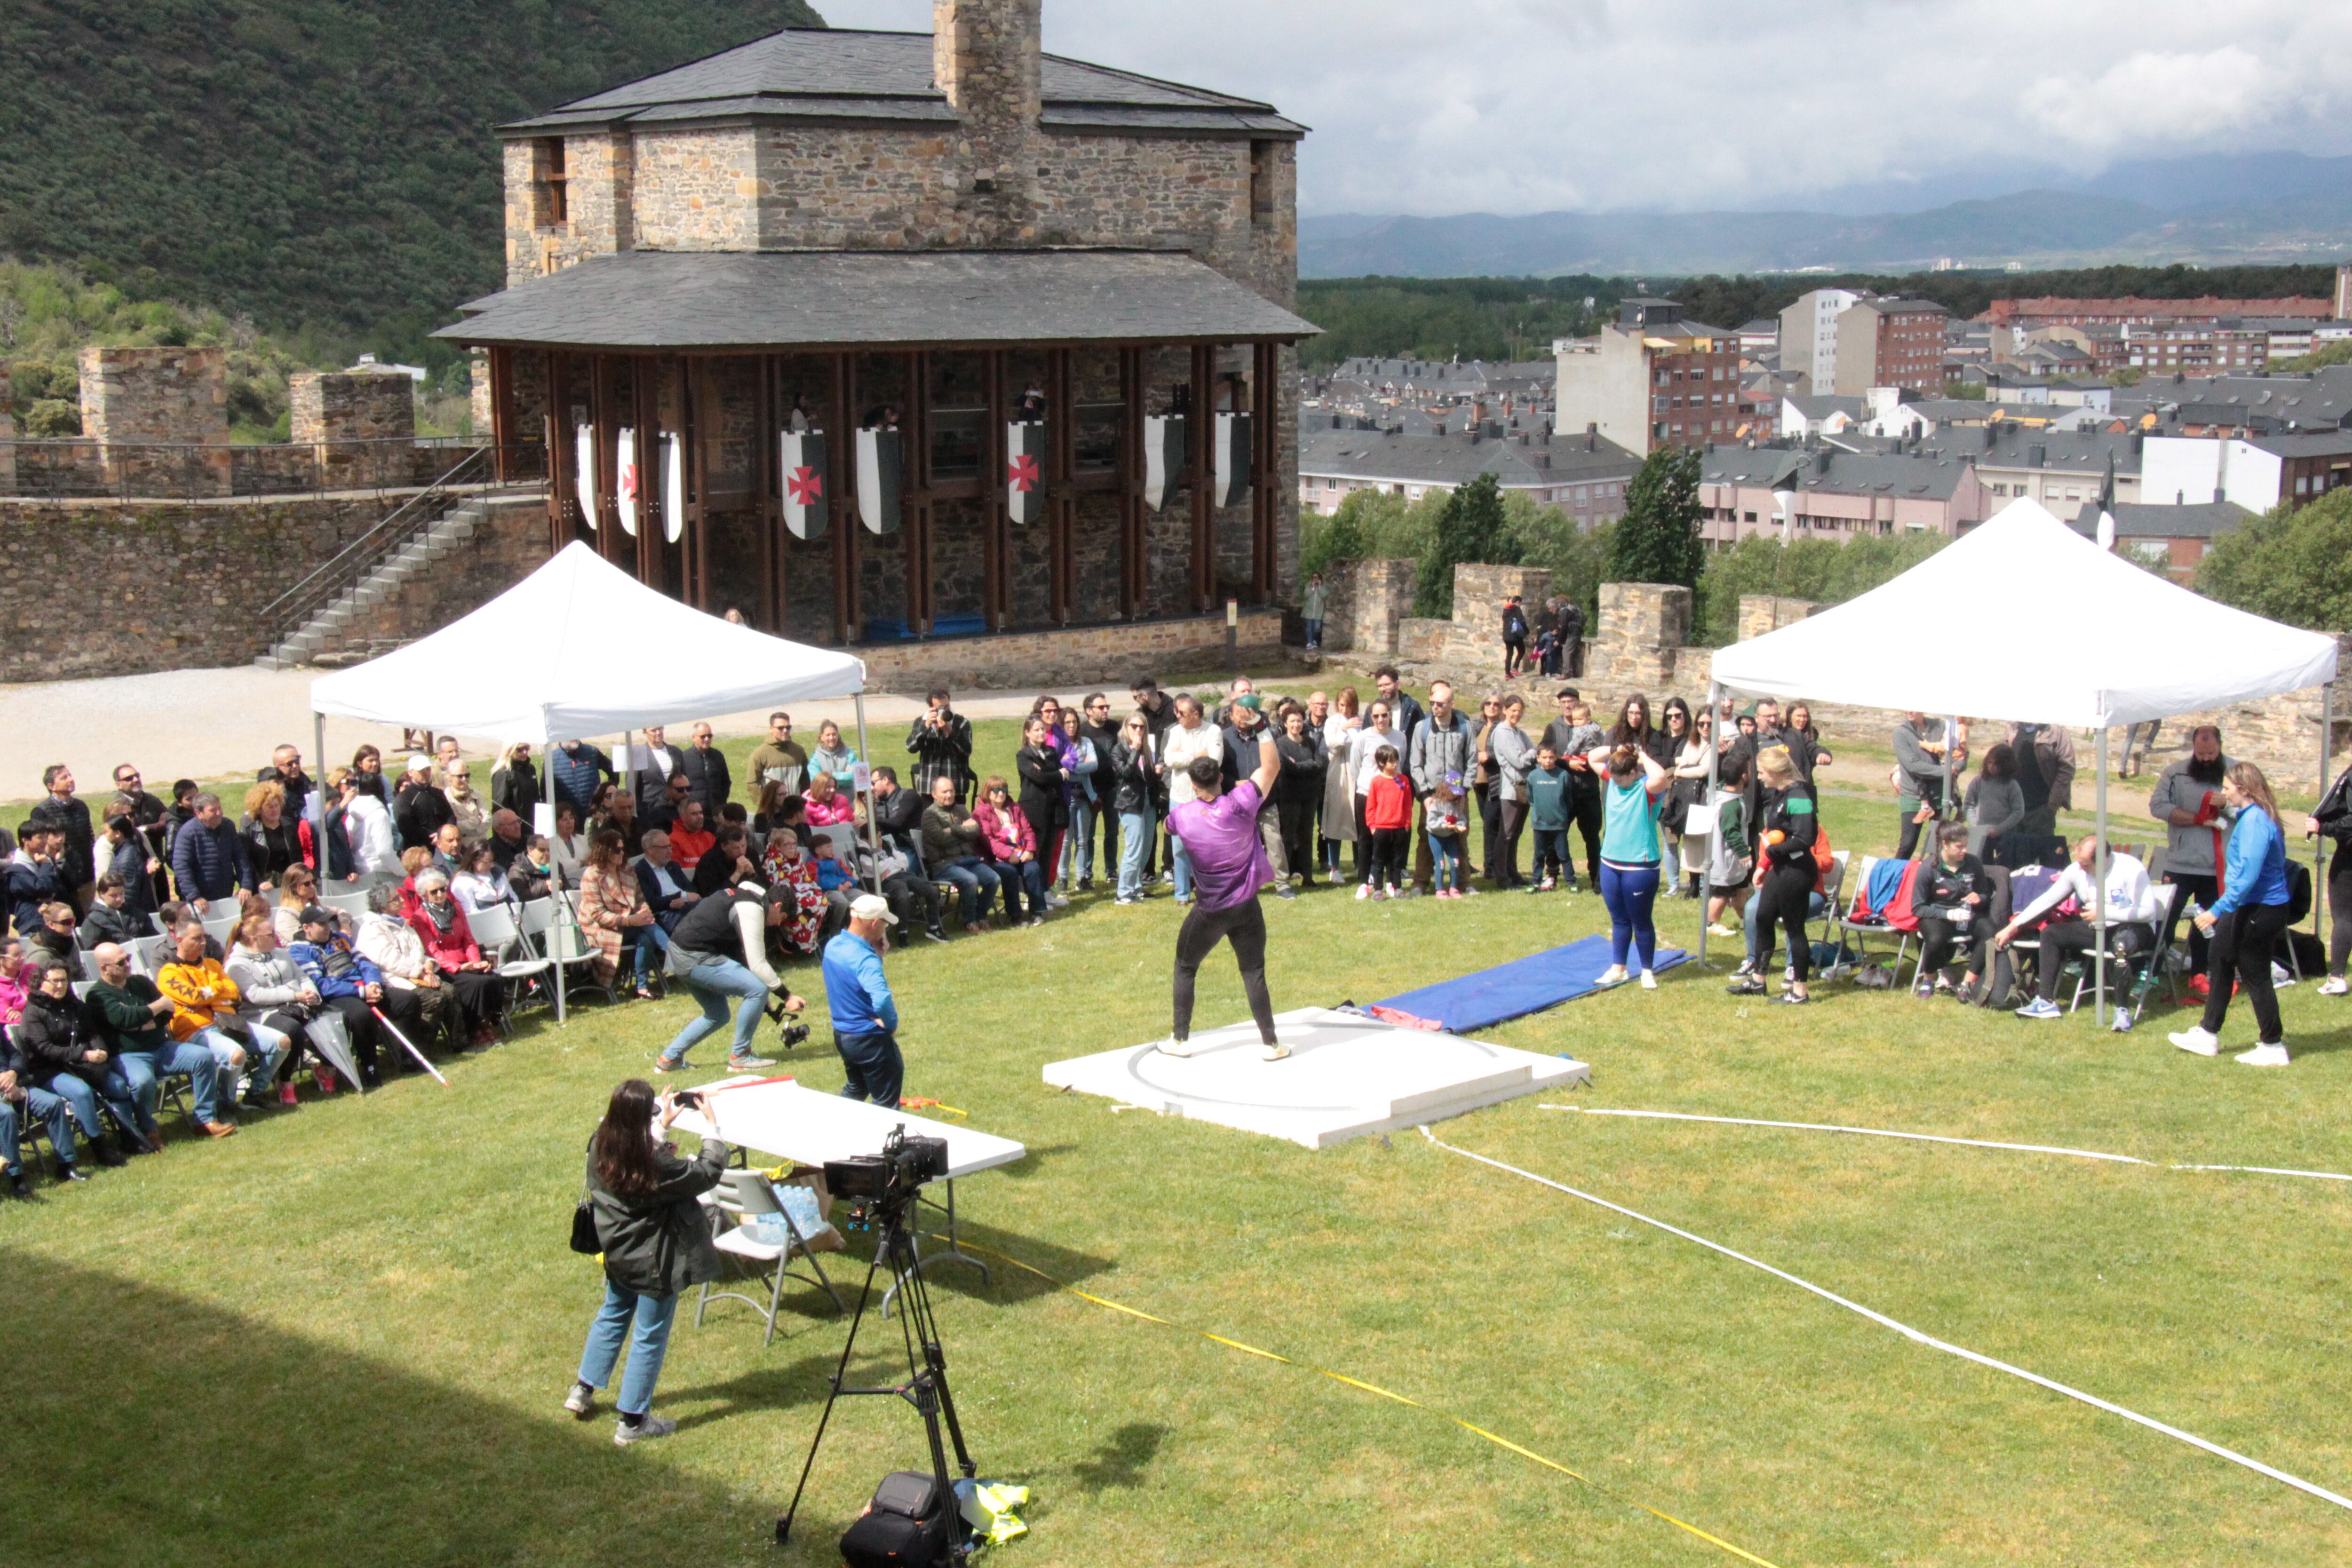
x=555, y=891
x=1714, y=751
x=2099, y=1012
x=873, y=829
x=319, y=790
x=2319, y=845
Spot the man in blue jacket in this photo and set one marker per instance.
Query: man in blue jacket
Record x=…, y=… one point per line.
x=208, y=858
x=577, y=768
x=347, y=983
x=865, y=1015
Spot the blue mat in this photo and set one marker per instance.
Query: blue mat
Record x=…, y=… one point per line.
x=1529, y=985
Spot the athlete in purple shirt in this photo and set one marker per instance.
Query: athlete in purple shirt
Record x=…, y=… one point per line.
x=1229, y=865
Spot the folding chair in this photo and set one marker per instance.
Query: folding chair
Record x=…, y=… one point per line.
x=1838, y=923
x=497, y=934
x=353, y=904
x=753, y=1197
x=222, y=926
x=147, y=954
x=556, y=929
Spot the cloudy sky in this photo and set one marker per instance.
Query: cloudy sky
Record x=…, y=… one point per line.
x=1515, y=106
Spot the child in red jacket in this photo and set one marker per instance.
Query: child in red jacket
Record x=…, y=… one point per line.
x=1388, y=812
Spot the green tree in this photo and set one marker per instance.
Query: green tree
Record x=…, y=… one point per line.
x=1470, y=528
x=1657, y=540
x=2292, y=566
x=1815, y=568
x=1576, y=556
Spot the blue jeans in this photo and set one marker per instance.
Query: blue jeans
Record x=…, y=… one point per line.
x=876, y=1071
x=1134, y=849
x=646, y=1346
x=1445, y=862
x=41, y=1105
x=1016, y=877
x=1078, y=843
x=976, y=879
x=144, y=1069
x=711, y=983
x=79, y=1094
x=269, y=1044
x=1629, y=891
x=1314, y=633
x=1813, y=907
x=1551, y=852
x=1183, y=867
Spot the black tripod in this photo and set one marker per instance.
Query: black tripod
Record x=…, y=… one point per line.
x=926, y=1387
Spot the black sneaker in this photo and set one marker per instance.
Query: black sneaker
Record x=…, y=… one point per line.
x=19, y=1186
x=1746, y=986
x=68, y=1174
x=106, y=1153
x=935, y=934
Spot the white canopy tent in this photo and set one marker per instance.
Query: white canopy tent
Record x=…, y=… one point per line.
x=2044, y=627
x=576, y=649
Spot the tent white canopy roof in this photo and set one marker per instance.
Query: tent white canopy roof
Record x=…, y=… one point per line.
x=580, y=647
x=2026, y=619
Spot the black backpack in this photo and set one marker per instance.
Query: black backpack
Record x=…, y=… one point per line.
x=911, y=1523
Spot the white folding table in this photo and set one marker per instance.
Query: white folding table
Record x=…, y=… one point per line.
x=803, y=1126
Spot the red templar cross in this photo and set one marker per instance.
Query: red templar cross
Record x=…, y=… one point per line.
x=1022, y=474
x=629, y=482
x=806, y=485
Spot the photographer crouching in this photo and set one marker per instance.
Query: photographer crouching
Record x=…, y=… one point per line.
x=657, y=1242
x=720, y=951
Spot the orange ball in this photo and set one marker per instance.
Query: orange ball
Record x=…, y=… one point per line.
x=1775, y=837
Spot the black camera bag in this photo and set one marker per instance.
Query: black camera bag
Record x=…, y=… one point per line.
x=911, y=1523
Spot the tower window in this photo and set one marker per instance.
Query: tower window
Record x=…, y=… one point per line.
x=549, y=205
x=1262, y=158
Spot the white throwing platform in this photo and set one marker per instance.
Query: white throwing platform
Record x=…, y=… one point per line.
x=1346, y=1075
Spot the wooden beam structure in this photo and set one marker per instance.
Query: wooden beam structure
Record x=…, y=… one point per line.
x=562, y=477
x=996, y=523
x=767, y=526
x=846, y=624
x=1061, y=487
x=1201, y=429
x=1134, y=541
x=1265, y=497
x=918, y=502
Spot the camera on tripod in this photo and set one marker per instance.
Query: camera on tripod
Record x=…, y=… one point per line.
x=792, y=1034
x=883, y=1186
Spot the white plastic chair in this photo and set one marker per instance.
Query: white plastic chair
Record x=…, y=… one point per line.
x=221, y=925
x=558, y=935
x=352, y=904
x=752, y=1197
x=497, y=934
x=147, y=954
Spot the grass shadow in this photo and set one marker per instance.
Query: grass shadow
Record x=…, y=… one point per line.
x=259, y=1446
x=1121, y=1461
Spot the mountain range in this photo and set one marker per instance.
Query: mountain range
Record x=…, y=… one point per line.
x=2212, y=209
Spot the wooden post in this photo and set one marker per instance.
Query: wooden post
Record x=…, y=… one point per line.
x=843, y=460
x=600, y=405
x=697, y=407
x=1202, y=429
x=653, y=550
x=560, y=464
x=916, y=433
x=503, y=429
x=1061, y=485
x=769, y=530
x=1264, y=565
x=1133, y=562
x=995, y=525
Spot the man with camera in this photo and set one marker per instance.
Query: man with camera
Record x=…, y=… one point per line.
x=720, y=951
x=864, y=1017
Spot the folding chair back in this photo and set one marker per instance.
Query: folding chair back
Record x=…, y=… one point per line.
x=222, y=926
x=147, y=954
x=748, y=1196
x=354, y=904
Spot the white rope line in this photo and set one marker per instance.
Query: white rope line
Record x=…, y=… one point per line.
x=1932, y=1138
x=1911, y=1333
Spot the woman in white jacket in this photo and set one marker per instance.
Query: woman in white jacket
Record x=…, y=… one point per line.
x=2133, y=907
x=278, y=992
x=1364, y=743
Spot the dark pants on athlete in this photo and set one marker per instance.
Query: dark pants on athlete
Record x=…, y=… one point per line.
x=2188, y=884
x=2069, y=939
x=2244, y=941
x=1245, y=926
x=1784, y=901
x=2339, y=909
x=1631, y=894
x=1940, y=939
x=875, y=1070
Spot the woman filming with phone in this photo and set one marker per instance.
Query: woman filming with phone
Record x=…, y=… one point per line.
x=642, y=1198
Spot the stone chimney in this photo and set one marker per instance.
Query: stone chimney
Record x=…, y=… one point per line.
x=984, y=58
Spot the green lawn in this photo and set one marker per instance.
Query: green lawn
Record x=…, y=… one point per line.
x=342, y=1336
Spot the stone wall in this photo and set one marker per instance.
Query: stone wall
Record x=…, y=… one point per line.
x=362, y=424
x=7, y=433
x=1761, y=613
x=1363, y=603
x=146, y=406
x=1639, y=642
x=1078, y=656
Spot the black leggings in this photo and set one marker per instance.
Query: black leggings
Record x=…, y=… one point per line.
x=2243, y=939
x=1941, y=938
x=1389, y=857
x=2188, y=884
x=1785, y=900
x=1245, y=926
x=2339, y=909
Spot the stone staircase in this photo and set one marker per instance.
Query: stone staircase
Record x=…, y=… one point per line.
x=341, y=632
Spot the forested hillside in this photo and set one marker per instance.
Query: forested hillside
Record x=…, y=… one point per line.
x=322, y=163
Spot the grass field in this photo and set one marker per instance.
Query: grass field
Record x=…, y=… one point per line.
x=342, y=1336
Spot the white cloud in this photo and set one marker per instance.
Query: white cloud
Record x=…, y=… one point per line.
x=1444, y=106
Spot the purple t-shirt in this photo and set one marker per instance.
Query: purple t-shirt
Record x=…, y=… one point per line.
x=1229, y=863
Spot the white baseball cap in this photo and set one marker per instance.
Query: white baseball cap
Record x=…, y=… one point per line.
x=871, y=907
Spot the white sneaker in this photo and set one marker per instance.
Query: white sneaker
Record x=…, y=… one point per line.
x=2334, y=985
x=2265, y=1055
x=1363, y=890
x=1649, y=981
x=1613, y=975
x=647, y=1428
x=1175, y=1048
x=1056, y=902
x=1275, y=1052
x=581, y=1401
x=2199, y=1041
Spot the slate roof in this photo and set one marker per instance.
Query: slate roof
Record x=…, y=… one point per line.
x=2076, y=452
x=2319, y=400
x=1924, y=476
x=2141, y=519
x=1823, y=405
x=641, y=300
x=839, y=74
x=1453, y=460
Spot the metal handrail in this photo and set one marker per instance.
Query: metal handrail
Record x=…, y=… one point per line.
x=351, y=564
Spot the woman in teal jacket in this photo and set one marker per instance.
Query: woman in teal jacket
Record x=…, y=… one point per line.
x=2246, y=921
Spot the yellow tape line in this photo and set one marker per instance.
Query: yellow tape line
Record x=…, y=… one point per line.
x=1499, y=1442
